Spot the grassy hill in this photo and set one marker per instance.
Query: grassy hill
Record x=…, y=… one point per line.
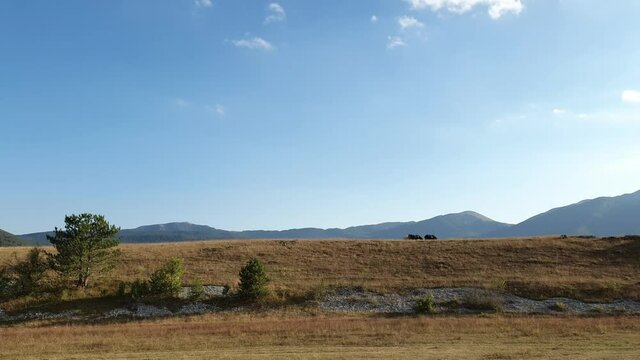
x=8, y=239
x=537, y=267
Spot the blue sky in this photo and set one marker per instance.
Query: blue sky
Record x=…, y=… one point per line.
x=247, y=114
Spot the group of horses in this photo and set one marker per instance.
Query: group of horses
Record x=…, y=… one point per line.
x=418, y=237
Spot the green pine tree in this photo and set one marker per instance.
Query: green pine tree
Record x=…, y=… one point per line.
x=85, y=247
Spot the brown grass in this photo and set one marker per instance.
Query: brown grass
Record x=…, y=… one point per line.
x=591, y=269
x=277, y=335
x=583, y=268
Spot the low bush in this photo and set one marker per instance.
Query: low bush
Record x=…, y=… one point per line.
x=253, y=281
x=425, y=305
x=483, y=301
x=24, y=276
x=197, y=290
x=139, y=289
x=167, y=281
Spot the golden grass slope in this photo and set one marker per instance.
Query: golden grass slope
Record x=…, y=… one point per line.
x=590, y=269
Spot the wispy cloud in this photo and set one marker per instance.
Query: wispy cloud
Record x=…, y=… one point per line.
x=374, y=19
x=394, y=42
x=631, y=96
x=216, y=109
x=609, y=116
x=407, y=22
x=276, y=14
x=181, y=103
x=496, y=8
x=204, y=3
x=255, y=43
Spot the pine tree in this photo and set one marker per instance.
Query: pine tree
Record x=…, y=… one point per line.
x=253, y=280
x=84, y=247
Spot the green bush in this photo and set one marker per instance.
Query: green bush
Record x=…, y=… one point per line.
x=167, y=281
x=7, y=285
x=253, y=280
x=31, y=271
x=425, y=305
x=139, y=289
x=24, y=276
x=197, y=290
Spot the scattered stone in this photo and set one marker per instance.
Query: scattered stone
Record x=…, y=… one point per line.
x=196, y=308
x=208, y=291
x=119, y=312
x=146, y=311
x=451, y=300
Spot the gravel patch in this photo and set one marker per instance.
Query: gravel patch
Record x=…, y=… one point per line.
x=447, y=300
x=119, y=312
x=208, y=291
x=39, y=315
x=466, y=300
x=196, y=308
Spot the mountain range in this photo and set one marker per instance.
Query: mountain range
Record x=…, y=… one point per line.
x=8, y=239
x=605, y=216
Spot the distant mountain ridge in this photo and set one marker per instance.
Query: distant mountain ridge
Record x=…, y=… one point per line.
x=465, y=224
x=605, y=216
x=8, y=239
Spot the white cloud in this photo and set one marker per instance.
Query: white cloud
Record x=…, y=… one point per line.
x=496, y=8
x=276, y=14
x=217, y=109
x=407, y=22
x=255, y=43
x=559, y=111
x=394, y=42
x=374, y=19
x=631, y=96
x=204, y=3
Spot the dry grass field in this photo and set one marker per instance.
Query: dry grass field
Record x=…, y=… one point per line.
x=279, y=336
x=581, y=268
x=589, y=269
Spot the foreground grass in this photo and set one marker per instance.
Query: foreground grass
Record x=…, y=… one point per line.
x=288, y=335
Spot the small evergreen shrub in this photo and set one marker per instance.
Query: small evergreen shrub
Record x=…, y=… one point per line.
x=425, y=305
x=167, y=281
x=253, y=280
x=197, y=290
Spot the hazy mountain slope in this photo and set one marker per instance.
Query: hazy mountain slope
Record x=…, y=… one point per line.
x=181, y=231
x=604, y=216
x=39, y=238
x=8, y=239
x=466, y=224
x=171, y=232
